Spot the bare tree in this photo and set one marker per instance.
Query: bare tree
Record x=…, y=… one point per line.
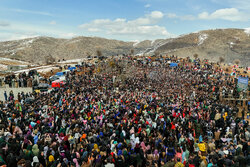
x=196, y=55
x=221, y=59
x=99, y=54
x=88, y=54
x=132, y=51
x=156, y=53
x=237, y=61
x=50, y=59
x=112, y=64
x=19, y=55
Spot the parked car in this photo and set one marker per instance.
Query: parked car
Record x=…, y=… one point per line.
x=54, y=77
x=29, y=100
x=42, y=87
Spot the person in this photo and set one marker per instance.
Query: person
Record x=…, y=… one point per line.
x=5, y=96
x=178, y=164
x=243, y=114
x=21, y=163
x=11, y=95
x=163, y=119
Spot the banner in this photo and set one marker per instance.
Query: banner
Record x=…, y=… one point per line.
x=242, y=83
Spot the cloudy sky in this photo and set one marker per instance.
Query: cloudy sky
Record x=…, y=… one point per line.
x=128, y=20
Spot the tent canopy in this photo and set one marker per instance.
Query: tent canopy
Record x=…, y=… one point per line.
x=60, y=73
x=71, y=68
x=57, y=84
x=173, y=64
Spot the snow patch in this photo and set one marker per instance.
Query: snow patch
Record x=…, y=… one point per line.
x=3, y=67
x=27, y=43
x=155, y=47
x=12, y=60
x=152, y=42
x=8, y=45
x=72, y=61
x=18, y=46
x=231, y=44
x=237, y=38
x=13, y=51
x=136, y=42
x=41, y=69
x=73, y=41
x=202, y=38
x=247, y=31
x=45, y=70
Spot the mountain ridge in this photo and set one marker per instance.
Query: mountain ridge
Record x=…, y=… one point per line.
x=230, y=44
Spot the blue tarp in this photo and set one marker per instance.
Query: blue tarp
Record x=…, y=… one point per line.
x=60, y=73
x=71, y=68
x=173, y=64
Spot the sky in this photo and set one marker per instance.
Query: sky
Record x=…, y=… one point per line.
x=128, y=20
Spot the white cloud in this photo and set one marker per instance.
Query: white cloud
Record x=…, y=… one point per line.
x=188, y=17
x=156, y=15
x=4, y=24
x=141, y=21
x=19, y=30
x=238, y=4
x=52, y=23
x=203, y=15
x=94, y=29
x=15, y=36
x=147, y=6
x=172, y=15
x=31, y=12
x=241, y=4
x=230, y=14
x=141, y=28
x=68, y=35
x=185, y=17
x=33, y=29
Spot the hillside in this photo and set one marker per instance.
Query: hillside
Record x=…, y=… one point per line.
x=230, y=44
x=211, y=44
x=40, y=48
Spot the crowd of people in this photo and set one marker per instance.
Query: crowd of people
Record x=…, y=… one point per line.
x=157, y=116
x=20, y=80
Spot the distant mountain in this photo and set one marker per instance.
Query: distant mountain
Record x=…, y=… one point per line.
x=39, y=48
x=231, y=44
x=211, y=44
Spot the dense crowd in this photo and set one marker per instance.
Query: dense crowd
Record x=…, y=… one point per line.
x=20, y=80
x=157, y=116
